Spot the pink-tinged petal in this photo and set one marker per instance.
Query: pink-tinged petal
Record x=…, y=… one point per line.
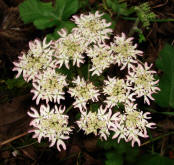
x=38, y=99
x=151, y=125
x=31, y=130
x=34, y=114
x=64, y=137
x=35, y=94
x=150, y=96
x=34, y=122
x=16, y=63
x=53, y=141
x=35, y=85
x=135, y=139
x=39, y=137
x=19, y=73
x=115, y=135
x=146, y=100
x=61, y=143
x=62, y=33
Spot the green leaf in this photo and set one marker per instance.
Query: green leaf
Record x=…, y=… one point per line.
x=44, y=15
x=65, y=8
x=15, y=83
x=30, y=10
x=113, y=159
x=165, y=62
x=119, y=8
x=110, y=143
x=94, y=107
x=155, y=160
x=70, y=73
x=68, y=25
x=44, y=23
x=109, y=19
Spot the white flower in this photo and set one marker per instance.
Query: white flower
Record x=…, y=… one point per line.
x=92, y=27
x=36, y=60
x=97, y=123
x=125, y=53
x=69, y=47
x=83, y=92
x=132, y=125
x=101, y=58
x=49, y=86
x=51, y=124
x=118, y=91
x=144, y=82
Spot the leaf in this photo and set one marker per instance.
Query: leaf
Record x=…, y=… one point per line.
x=155, y=160
x=94, y=107
x=30, y=10
x=109, y=19
x=44, y=15
x=68, y=25
x=65, y=8
x=68, y=72
x=120, y=8
x=113, y=159
x=12, y=83
x=44, y=23
x=165, y=62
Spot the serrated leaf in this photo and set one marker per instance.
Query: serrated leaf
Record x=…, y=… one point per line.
x=44, y=15
x=30, y=10
x=120, y=8
x=165, y=62
x=65, y=8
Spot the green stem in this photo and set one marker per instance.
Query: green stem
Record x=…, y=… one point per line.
x=106, y=8
x=155, y=20
x=88, y=78
x=157, y=138
x=24, y=146
x=68, y=109
x=135, y=26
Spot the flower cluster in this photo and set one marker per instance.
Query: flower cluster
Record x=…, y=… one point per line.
x=85, y=48
x=92, y=27
x=49, y=86
x=101, y=58
x=36, y=60
x=132, y=124
x=118, y=91
x=144, y=82
x=51, y=124
x=125, y=53
x=69, y=47
x=98, y=123
x=83, y=92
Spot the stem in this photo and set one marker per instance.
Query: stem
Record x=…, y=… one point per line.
x=106, y=8
x=88, y=78
x=13, y=138
x=157, y=138
x=154, y=20
x=135, y=26
x=69, y=108
x=27, y=145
